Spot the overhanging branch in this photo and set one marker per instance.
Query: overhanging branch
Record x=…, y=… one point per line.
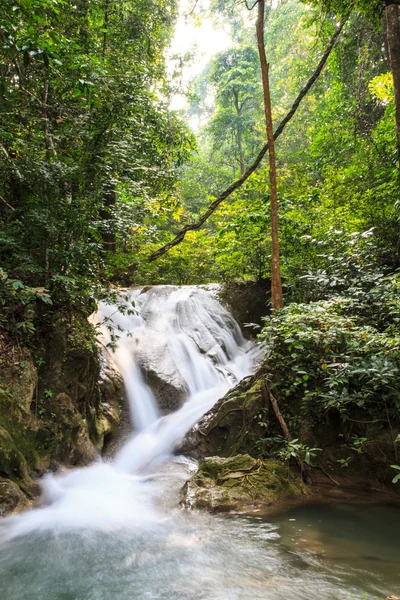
x=180, y=235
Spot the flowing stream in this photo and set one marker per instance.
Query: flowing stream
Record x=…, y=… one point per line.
x=114, y=530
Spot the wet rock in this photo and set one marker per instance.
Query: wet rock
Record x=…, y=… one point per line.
x=234, y=425
x=11, y=497
x=50, y=412
x=166, y=384
x=12, y=462
x=112, y=397
x=225, y=484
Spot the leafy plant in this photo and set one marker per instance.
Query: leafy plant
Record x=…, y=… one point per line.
x=396, y=478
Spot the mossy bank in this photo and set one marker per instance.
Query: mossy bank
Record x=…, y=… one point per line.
x=239, y=440
x=60, y=402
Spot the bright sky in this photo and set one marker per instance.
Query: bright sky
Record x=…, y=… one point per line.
x=207, y=38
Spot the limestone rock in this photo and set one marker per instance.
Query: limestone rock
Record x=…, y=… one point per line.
x=112, y=396
x=225, y=484
x=233, y=425
x=11, y=497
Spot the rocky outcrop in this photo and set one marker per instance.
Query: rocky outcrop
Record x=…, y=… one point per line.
x=248, y=301
x=226, y=484
x=112, y=397
x=58, y=404
x=234, y=425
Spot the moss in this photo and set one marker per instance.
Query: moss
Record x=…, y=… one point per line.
x=235, y=424
x=11, y=497
x=227, y=484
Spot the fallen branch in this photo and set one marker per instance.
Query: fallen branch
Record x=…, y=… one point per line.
x=304, y=469
x=326, y=474
x=180, y=235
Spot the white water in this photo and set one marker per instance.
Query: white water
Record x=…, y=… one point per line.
x=114, y=530
x=195, y=340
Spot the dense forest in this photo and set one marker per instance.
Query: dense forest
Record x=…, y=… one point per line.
x=278, y=180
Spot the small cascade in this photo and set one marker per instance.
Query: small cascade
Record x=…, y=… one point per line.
x=191, y=342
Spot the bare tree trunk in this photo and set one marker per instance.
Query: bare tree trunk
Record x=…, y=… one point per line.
x=47, y=137
x=393, y=40
x=105, y=26
x=276, y=284
x=240, y=148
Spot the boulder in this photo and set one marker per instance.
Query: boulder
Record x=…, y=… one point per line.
x=240, y=482
x=11, y=497
x=235, y=423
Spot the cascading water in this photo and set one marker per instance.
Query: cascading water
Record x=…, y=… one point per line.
x=200, y=347
x=114, y=530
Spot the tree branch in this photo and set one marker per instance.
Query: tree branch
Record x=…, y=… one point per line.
x=189, y=14
x=6, y=203
x=180, y=235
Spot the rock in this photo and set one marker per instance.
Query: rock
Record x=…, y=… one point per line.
x=248, y=301
x=234, y=425
x=225, y=484
x=167, y=385
x=12, y=462
x=11, y=497
x=112, y=397
x=55, y=413
x=19, y=377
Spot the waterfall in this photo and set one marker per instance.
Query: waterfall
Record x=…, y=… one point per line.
x=186, y=337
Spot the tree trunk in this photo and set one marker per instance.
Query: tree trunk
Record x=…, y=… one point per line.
x=393, y=40
x=106, y=215
x=105, y=27
x=276, y=284
x=239, y=136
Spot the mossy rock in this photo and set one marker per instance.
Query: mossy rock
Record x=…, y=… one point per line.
x=235, y=424
x=11, y=497
x=225, y=484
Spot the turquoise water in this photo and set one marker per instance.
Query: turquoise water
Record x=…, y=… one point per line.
x=340, y=552
x=356, y=543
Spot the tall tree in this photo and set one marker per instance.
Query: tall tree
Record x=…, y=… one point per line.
x=373, y=9
x=276, y=281
x=235, y=78
x=393, y=39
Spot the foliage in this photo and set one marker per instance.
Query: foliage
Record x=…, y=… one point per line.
x=18, y=305
x=341, y=352
x=289, y=449
x=87, y=143
x=336, y=162
x=396, y=478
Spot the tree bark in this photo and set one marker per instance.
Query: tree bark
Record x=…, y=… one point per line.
x=105, y=26
x=393, y=40
x=48, y=140
x=276, y=280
